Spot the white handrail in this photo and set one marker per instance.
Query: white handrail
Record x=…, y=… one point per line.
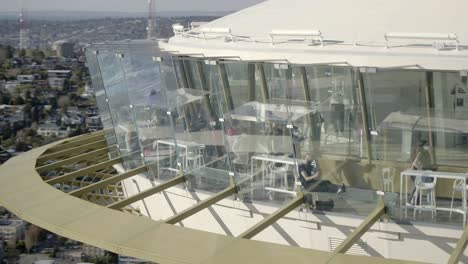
x=313, y=34
x=421, y=36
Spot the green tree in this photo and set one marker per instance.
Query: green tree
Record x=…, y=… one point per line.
x=19, y=100
x=22, y=53
x=38, y=55
x=20, y=246
x=5, y=99
x=35, y=114
x=7, y=64
x=27, y=110
x=63, y=102
x=10, y=51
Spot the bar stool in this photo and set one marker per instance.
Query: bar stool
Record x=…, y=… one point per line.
x=457, y=186
x=196, y=156
x=282, y=172
x=388, y=177
x=429, y=187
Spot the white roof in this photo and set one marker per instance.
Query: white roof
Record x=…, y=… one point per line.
x=415, y=26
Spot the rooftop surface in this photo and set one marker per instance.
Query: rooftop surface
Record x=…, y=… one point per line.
x=425, y=34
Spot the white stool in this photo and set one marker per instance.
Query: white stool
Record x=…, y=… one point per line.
x=282, y=172
x=429, y=187
x=388, y=177
x=457, y=186
x=197, y=156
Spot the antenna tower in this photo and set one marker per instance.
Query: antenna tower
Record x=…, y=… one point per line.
x=151, y=28
x=24, y=29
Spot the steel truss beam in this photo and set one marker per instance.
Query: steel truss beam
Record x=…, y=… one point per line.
x=251, y=79
x=428, y=88
x=263, y=81
x=84, y=171
x=457, y=253
x=109, y=181
x=73, y=151
x=271, y=219
x=365, y=119
x=103, y=175
x=362, y=228
x=232, y=189
x=146, y=193
x=78, y=142
x=61, y=163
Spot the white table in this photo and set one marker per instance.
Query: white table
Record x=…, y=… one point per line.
x=187, y=145
x=434, y=174
x=275, y=159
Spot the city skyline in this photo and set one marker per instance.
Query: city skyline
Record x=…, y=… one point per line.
x=124, y=5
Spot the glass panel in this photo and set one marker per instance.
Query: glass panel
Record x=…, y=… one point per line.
x=335, y=127
x=450, y=118
x=418, y=119
x=260, y=140
x=119, y=106
x=395, y=102
x=199, y=134
x=162, y=119
x=238, y=79
x=101, y=101
x=145, y=91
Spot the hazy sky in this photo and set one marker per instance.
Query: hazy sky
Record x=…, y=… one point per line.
x=126, y=5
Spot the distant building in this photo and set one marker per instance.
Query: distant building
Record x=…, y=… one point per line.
x=25, y=41
x=93, y=123
x=65, y=48
x=91, y=251
x=52, y=130
x=58, y=79
x=2, y=85
x=71, y=119
x=3, y=54
x=2, y=252
x=10, y=109
x=129, y=260
x=10, y=86
x=25, y=79
x=11, y=230
x=48, y=261
x=57, y=83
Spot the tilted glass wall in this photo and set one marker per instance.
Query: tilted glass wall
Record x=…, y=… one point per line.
x=101, y=101
x=114, y=80
x=261, y=122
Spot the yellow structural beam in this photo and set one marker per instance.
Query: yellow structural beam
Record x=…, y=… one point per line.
x=84, y=171
x=362, y=228
x=109, y=181
x=146, y=193
x=232, y=189
x=459, y=248
x=85, y=140
x=85, y=156
x=269, y=220
x=73, y=151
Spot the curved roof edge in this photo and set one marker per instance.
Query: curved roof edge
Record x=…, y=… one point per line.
x=363, y=33
x=23, y=192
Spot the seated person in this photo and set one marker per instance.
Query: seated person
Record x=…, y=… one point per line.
x=310, y=178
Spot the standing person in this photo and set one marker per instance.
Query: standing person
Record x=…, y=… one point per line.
x=422, y=161
x=316, y=130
